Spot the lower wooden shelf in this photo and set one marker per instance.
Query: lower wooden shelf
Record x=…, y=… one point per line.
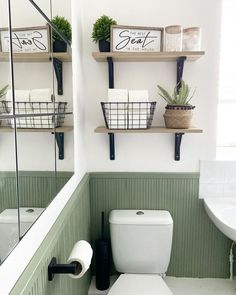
x=59, y=135
x=52, y=130
x=155, y=129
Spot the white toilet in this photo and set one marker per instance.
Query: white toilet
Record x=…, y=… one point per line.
x=141, y=247
x=9, y=231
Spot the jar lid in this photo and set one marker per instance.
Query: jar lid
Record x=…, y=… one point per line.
x=173, y=29
x=192, y=29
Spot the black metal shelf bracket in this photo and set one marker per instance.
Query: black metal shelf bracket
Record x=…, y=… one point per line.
x=55, y=268
x=180, y=68
x=57, y=64
x=60, y=143
x=110, y=72
x=112, y=145
x=178, y=139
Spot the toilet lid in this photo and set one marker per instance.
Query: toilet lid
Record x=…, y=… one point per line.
x=139, y=284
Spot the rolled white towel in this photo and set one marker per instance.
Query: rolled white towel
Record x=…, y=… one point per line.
x=22, y=123
x=37, y=122
x=42, y=95
x=117, y=121
x=140, y=107
x=136, y=116
x=117, y=112
x=20, y=95
x=138, y=95
x=43, y=122
x=137, y=124
x=137, y=120
x=117, y=106
x=117, y=95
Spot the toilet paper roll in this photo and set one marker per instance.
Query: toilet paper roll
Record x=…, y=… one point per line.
x=81, y=254
x=41, y=95
x=138, y=95
x=20, y=95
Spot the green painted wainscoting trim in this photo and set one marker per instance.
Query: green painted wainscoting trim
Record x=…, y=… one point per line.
x=72, y=225
x=199, y=248
x=37, y=188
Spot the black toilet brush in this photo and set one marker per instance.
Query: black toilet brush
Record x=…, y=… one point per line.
x=102, y=260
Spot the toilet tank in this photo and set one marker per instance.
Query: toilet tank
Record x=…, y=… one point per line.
x=141, y=240
x=9, y=231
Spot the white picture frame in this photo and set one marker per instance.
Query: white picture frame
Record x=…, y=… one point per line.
x=26, y=40
x=136, y=39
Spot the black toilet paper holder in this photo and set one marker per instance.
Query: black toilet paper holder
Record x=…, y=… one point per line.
x=56, y=268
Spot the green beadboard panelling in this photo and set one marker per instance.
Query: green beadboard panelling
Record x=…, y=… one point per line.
x=36, y=188
x=72, y=225
x=199, y=248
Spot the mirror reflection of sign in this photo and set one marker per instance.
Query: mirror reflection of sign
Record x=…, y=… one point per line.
x=26, y=40
x=137, y=39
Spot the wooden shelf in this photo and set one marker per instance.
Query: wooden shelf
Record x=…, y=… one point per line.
x=178, y=133
x=154, y=129
x=36, y=57
x=46, y=130
x=147, y=56
x=178, y=57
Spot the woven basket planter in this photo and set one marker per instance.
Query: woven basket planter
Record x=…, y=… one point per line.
x=178, y=117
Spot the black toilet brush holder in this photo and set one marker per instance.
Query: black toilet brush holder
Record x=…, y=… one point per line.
x=102, y=260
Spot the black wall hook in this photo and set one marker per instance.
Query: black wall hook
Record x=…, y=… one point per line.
x=55, y=268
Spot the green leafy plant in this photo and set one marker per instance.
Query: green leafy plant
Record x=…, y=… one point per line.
x=181, y=95
x=101, y=28
x=3, y=91
x=63, y=26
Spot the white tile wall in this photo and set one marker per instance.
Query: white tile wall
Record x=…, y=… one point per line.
x=217, y=179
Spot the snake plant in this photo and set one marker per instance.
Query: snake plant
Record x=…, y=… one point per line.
x=181, y=95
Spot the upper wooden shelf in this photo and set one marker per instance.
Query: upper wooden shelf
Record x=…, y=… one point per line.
x=154, y=129
x=147, y=56
x=36, y=57
x=62, y=129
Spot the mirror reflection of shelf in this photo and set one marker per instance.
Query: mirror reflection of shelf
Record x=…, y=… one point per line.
x=36, y=57
x=58, y=131
x=57, y=57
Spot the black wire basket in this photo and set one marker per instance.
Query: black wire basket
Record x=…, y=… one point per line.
x=131, y=115
x=38, y=110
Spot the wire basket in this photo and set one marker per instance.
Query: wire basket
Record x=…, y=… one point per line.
x=38, y=110
x=131, y=115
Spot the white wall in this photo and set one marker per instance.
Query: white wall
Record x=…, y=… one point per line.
x=36, y=150
x=79, y=93
x=153, y=152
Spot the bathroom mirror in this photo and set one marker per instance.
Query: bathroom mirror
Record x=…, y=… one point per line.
x=36, y=114
x=9, y=217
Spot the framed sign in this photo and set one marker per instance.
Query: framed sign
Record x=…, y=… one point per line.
x=136, y=39
x=26, y=40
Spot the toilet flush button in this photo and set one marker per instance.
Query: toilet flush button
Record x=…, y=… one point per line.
x=29, y=210
x=140, y=213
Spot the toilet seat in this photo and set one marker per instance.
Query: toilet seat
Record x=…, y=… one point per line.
x=139, y=284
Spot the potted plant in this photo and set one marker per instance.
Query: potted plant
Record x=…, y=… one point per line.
x=3, y=91
x=178, y=112
x=101, y=32
x=63, y=26
x=2, y=103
